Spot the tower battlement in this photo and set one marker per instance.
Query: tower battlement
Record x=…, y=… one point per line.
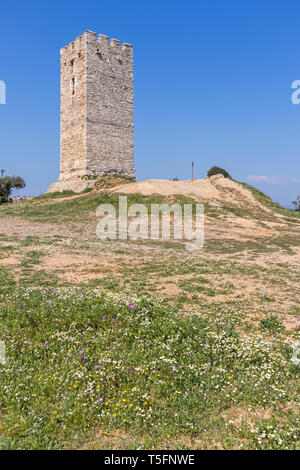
x=89, y=38
x=96, y=132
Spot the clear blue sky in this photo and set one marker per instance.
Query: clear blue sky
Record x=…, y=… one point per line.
x=212, y=84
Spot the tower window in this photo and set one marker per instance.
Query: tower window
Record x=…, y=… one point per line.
x=73, y=85
x=72, y=64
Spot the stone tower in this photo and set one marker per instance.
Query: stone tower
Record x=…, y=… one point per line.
x=96, y=132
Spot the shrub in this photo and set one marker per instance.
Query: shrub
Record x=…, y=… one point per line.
x=215, y=170
x=297, y=203
x=7, y=184
x=272, y=324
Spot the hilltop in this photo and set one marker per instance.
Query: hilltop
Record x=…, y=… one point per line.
x=214, y=188
x=237, y=216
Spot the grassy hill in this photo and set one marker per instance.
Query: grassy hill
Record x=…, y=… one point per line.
x=143, y=344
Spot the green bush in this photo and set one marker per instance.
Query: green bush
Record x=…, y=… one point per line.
x=272, y=324
x=79, y=360
x=215, y=170
x=7, y=184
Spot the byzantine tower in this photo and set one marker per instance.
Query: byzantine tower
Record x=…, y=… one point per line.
x=96, y=130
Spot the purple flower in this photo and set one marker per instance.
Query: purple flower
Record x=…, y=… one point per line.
x=104, y=316
x=120, y=331
x=80, y=352
x=96, y=367
x=22, y=308
x=101, y=400
x=116, y=324
x=180, y=367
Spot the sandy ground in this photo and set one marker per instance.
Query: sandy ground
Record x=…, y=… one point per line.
x=72, y=251
x=216, y=187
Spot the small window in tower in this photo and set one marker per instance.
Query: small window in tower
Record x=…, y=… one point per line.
x=72, y=64
x=73, y=85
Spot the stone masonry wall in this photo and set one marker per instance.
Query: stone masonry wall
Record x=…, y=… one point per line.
x=73, y=109
x=96, y=108
x=109, y=106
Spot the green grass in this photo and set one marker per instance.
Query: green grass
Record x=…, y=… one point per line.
x=271, y=324
x=80, y=209
x=55, y=195
x=78, y=356
x=78, y=360
x=268, y=202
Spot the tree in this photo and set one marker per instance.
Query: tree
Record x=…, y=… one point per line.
x=215, y=170
x=7, y=184
x=297, y=203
